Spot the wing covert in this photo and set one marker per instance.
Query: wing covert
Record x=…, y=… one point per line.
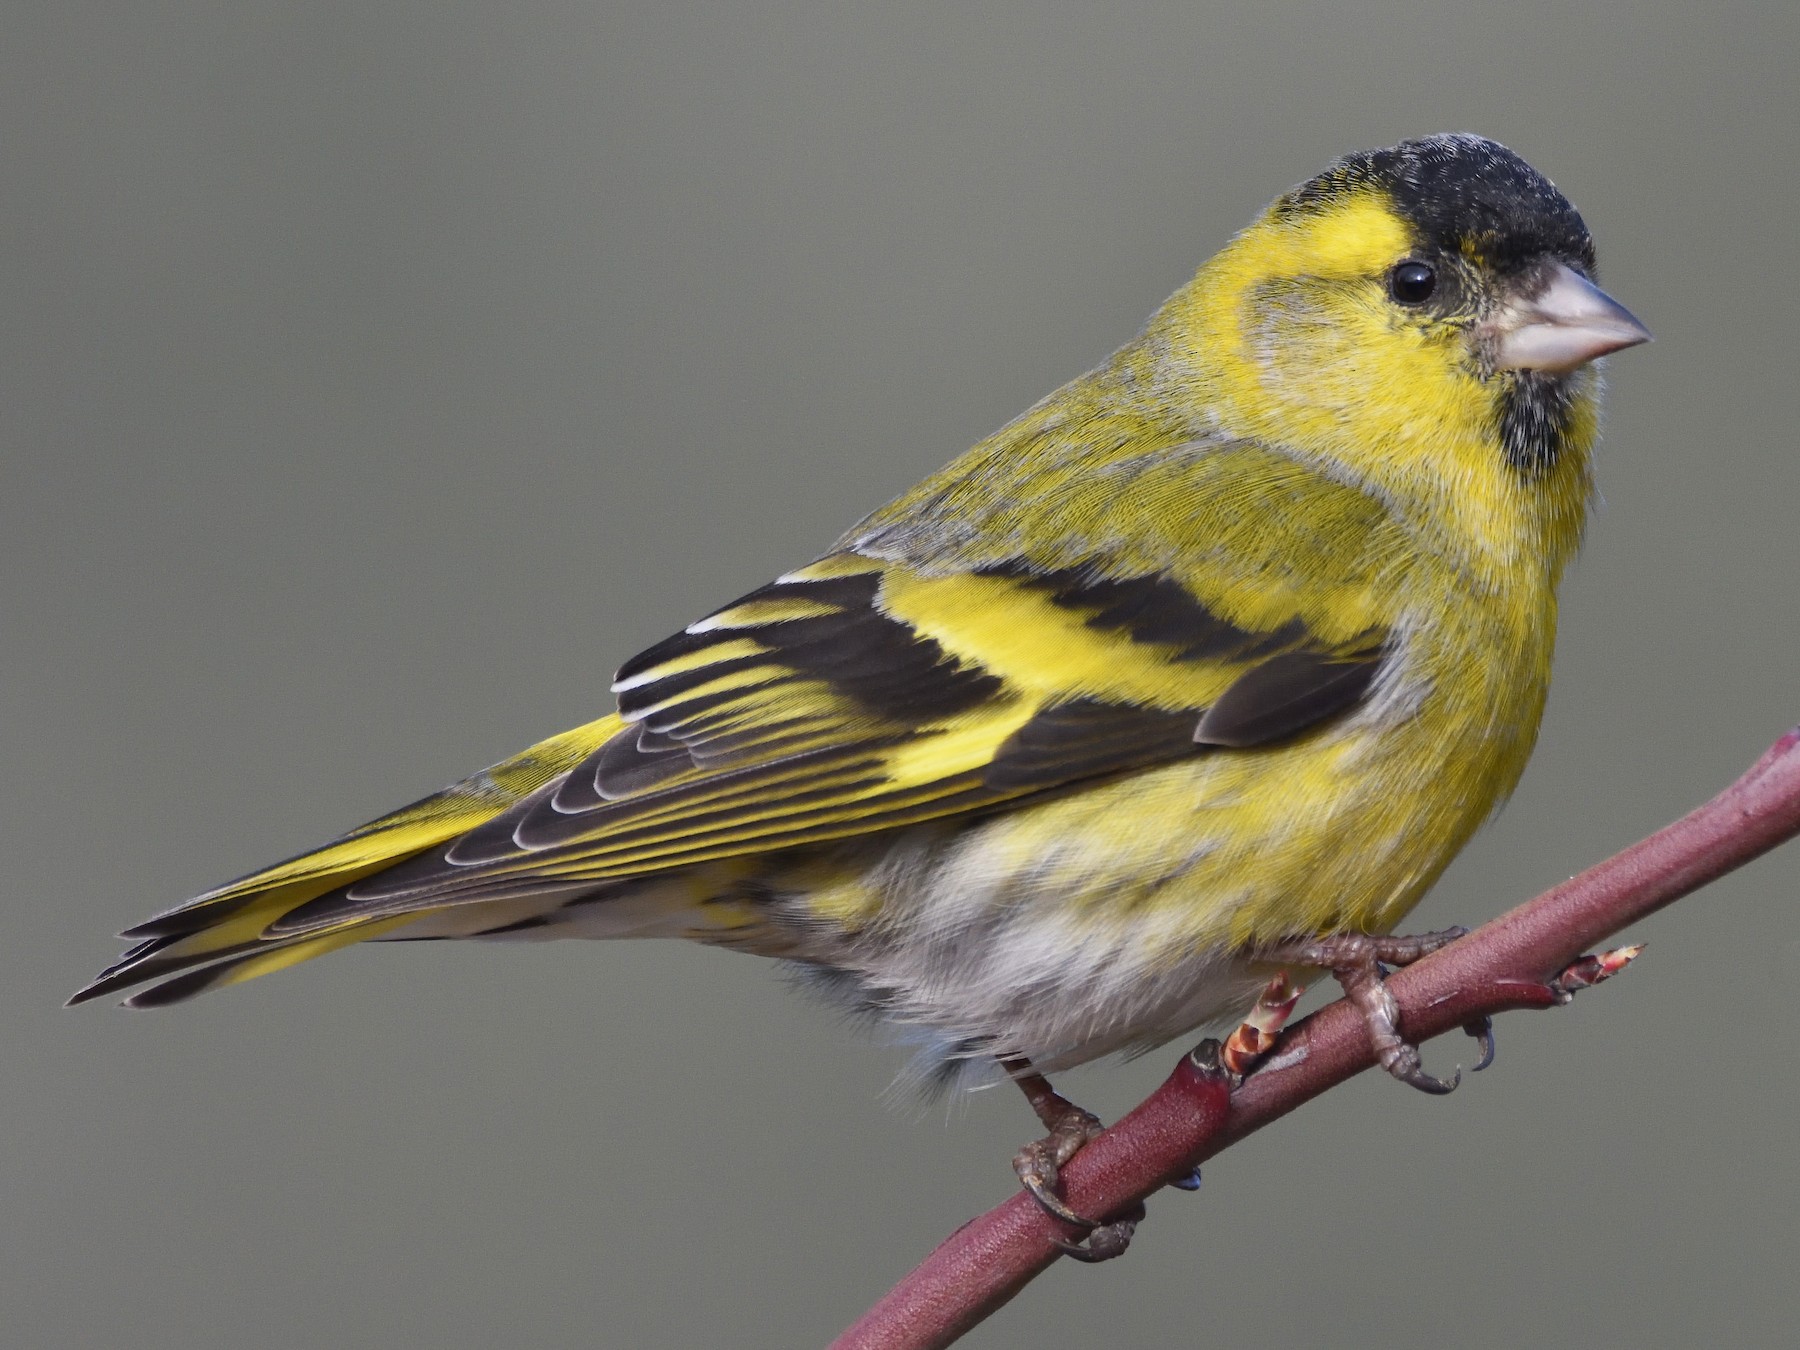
x=858, y=694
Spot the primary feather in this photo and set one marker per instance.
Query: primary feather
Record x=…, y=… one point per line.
x=1232, y=640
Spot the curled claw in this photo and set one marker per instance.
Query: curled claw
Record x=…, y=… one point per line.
x=1409, y=1069
x=1190, y=1182
x=1358, y=960
x=1037, y=1170
x=1039, y=1165
x=1106, y=1241
x=1482, y=1029
x=1430, y=1083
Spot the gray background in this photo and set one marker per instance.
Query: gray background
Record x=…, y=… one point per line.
x=378, y=376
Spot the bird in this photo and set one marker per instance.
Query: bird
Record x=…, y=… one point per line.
x=1206, y=664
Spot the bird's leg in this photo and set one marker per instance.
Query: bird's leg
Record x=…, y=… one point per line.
x=1356, y=959
x=1039, y=1164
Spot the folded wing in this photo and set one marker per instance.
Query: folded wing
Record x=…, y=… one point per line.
x=854, y=695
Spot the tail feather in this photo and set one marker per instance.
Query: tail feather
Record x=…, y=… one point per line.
x=272, y=956
x=223, y=937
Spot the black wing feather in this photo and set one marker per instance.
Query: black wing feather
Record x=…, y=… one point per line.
x=714, y=757
x=1284, y=696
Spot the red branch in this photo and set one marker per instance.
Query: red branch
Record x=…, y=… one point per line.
x=1501, y=966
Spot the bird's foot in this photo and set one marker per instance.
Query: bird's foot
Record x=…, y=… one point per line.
x=1357, y=961
x=1039, y=1165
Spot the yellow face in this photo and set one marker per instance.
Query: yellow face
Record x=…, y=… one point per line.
x=1338, y=334
x=1320, y=333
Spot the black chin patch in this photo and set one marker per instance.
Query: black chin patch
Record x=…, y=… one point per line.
x=1534, y=421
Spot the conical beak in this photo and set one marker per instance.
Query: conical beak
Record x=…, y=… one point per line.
x=1567, y=323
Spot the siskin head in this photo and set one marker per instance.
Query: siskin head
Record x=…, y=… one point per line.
x=1421, y=319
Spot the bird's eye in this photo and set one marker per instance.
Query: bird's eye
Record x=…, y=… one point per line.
x=1412, y=283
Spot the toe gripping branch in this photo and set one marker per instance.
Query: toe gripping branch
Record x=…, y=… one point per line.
x=1039, y=1165
x=1358, y=963
x=1103, y=1171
